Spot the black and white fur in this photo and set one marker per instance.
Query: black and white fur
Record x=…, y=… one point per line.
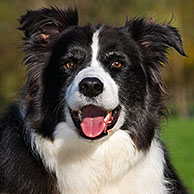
x=41, y=149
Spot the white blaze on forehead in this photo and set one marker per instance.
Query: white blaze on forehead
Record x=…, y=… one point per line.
x=95, y=48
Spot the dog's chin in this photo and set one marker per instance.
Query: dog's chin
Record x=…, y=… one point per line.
x=94, y=122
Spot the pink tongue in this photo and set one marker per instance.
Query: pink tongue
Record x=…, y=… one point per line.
x=93, y=121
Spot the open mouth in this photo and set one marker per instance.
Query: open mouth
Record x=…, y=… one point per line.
x=94, y=122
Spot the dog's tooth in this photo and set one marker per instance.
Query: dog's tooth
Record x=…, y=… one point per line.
x=107, y=116
x=80, y=116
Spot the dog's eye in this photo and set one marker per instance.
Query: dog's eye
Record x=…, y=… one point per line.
x=116, y=64
x=70, y=65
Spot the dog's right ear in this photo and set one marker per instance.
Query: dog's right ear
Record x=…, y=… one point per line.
x=42, y=27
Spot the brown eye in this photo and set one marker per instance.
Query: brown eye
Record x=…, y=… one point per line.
x=116, y=64
x=70, y=65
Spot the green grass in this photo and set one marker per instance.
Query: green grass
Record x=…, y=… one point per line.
x=178, y=136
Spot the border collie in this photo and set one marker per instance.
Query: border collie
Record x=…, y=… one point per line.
x=89, y=114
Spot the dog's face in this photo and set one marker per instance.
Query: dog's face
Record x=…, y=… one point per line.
x=96, y=79
x=94, y=76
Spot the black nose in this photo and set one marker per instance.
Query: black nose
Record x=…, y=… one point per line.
x=91, y=86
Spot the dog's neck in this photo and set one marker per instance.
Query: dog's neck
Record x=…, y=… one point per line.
x=112, y=165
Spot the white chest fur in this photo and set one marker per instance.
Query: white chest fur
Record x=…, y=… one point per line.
x=111, y=166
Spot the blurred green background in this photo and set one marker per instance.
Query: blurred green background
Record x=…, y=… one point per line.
x=178, y=131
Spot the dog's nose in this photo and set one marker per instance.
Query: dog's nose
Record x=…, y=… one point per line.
x=91, y=86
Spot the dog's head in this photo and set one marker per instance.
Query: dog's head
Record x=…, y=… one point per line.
x=97, y=79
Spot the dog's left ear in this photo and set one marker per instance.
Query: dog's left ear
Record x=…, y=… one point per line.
x=42, y=27
x=154, y=37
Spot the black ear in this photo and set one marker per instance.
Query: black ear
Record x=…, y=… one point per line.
x=41, y=27
x=155, y=37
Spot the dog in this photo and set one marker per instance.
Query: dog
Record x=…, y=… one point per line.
x=88, y=118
